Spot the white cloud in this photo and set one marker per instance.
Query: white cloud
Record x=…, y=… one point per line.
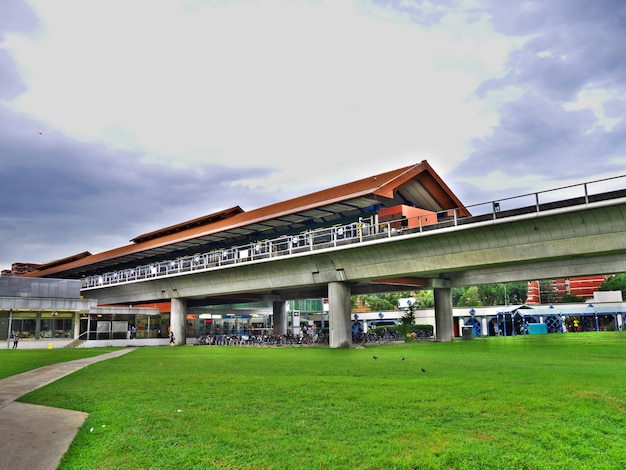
x=595, y=99
x=320, y=91
x=499, y=181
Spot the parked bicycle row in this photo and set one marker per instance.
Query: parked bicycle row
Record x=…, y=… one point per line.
x=291, y=340
x=374, y=337
x=262, y=340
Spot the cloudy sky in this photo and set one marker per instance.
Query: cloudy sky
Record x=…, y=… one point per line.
x=118, y=117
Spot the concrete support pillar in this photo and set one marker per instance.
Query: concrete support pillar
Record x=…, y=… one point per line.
x=77, y=325
x=177, y=320
x=444, y=321
x=279, y=310
x=340, y=329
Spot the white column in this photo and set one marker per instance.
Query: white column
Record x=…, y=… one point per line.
x=77, y=325
x=340, y=329
x=444, y=322
x=177, y=320
x=279, y=310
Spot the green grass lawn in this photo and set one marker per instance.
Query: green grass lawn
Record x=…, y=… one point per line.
x=16, y=361
x=537, y=402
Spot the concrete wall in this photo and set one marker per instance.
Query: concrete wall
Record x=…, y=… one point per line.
x=38, y=343
x=119, y=343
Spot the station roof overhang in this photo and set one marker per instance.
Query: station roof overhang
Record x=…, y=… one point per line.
x=415, y=185
x=44, y=305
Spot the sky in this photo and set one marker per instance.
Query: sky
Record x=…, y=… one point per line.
x=120, y=117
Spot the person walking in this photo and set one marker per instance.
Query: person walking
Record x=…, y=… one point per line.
x=16, y=339
x=172, y=339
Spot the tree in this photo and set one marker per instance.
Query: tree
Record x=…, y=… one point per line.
x=503, y=294
x=425, y=299
x=547, y=294
x=457, y=293
x=407, y=320
x=473, y=296
x=515, y=293
x=470, y=298
x=490, y=294
x=617, y=282
x=379, y=302
x=571, y=298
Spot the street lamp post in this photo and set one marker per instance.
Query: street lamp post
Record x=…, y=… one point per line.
x=9, y=329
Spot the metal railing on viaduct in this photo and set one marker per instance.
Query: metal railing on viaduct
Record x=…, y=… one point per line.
x=364, y=231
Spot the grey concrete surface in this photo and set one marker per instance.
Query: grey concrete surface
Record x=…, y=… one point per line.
x=35, y=437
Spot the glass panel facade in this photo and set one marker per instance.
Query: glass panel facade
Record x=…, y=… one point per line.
x=125, y=326
x=306, y=305
x=15, y=286
x=24, y=327
x=56, y=327
x=217, y=325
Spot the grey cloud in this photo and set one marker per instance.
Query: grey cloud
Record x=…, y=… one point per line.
x=523, y=18
x=424, y=13
x=15, y=16
x=63, y=197
x=585, y=41
x=10, y=84
x=535, y=134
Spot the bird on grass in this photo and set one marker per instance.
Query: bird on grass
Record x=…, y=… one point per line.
x=402, y=358
x=423, y=370
x=375, y=357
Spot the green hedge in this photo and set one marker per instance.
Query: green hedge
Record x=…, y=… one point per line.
x=422, y=331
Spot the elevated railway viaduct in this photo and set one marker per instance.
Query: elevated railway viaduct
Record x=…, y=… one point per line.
x=574, y=241
x=441, y=246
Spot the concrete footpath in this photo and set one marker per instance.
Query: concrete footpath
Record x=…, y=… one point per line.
x=35, y=437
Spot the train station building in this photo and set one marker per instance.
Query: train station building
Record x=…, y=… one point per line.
x=413, y=195
x=412, y=199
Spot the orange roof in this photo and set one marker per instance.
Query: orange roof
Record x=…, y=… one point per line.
x=62, y=261
x=199, y=222
x=417, y=184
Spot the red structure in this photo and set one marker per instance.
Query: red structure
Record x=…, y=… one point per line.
x=18, y=269
x=406, y=216
x=582, y=287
